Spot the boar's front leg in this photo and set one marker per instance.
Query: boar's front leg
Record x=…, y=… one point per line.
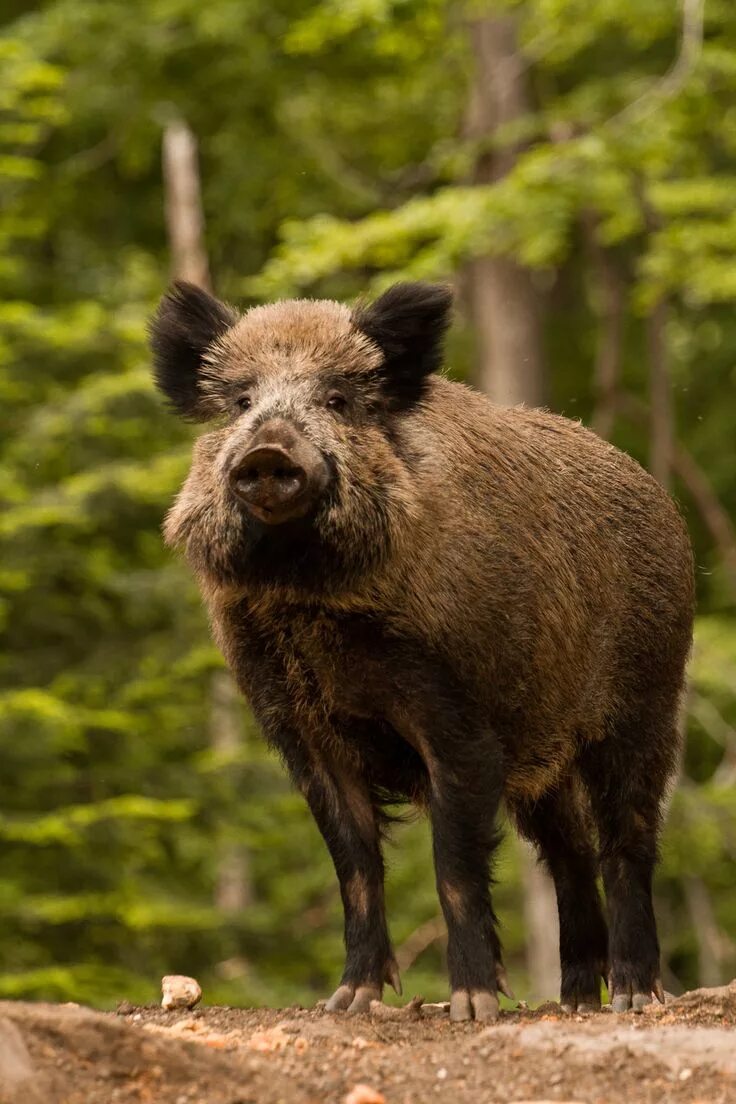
x=464, y=765
x=341, y=805
x=340, y=802
x=345, y=815
x=347, y=819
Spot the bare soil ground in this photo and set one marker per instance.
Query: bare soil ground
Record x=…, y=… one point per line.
x=66, y=1054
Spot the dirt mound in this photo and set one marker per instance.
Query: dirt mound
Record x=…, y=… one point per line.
x=685, y=1052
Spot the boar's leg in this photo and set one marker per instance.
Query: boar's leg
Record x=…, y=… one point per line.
x=556, y=826
x=350, y=824
x=626, y=776
x=465, y=774
x=341, y=804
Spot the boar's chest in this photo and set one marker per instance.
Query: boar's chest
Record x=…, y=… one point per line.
x=352, y=662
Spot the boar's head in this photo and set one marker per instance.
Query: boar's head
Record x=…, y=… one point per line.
x=302, y=479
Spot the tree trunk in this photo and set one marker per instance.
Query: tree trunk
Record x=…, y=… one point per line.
x=504, y=304
x=711, y=944
x=183, y=205
x=232, y=882
x=505, y=311
x=540, y=919
x=661, y=407
x=610, y=308
x=185, y=224
x=661, y=426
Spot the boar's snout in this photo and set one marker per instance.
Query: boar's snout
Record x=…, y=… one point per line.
x=281, y=476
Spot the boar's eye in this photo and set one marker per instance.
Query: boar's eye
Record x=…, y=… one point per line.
x=244, y=402
x=336, y=402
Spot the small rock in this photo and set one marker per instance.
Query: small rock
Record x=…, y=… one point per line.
x=410, y=1011
x=441, y=1074
x=268, y=1041
x=364, y=1094
x=441, y=1009
x=180, y=992
x=125, y=1008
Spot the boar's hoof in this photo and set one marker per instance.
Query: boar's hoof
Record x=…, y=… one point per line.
x=580, y=1002
x=478, y=1004
x=628, y=1000
x=582, y=1005
x=353, y=998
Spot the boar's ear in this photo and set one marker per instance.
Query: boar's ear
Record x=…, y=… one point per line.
x=408, y=323
x=186, y=323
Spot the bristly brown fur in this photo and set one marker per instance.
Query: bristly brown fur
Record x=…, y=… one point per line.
x=490, y=602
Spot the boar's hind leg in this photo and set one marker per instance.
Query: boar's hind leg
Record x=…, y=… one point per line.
x=350, y=825
x=465, y=791
x=626, y=776
x=556, y=826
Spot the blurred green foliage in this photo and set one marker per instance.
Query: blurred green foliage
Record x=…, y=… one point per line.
x=332, y=161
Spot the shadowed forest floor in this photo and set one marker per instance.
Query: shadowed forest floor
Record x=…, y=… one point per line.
x=66, y=1054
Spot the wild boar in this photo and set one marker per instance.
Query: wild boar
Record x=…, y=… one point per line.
x=430, y=599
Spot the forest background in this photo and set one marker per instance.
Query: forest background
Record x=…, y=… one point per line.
x=571, y=167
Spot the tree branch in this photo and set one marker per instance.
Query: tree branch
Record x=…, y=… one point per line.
x=715, y=517
x=674, y=80
x=432, y=931
x=720, y=731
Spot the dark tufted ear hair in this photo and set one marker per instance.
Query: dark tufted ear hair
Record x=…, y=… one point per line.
x=408, y=323
x=186, y=323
